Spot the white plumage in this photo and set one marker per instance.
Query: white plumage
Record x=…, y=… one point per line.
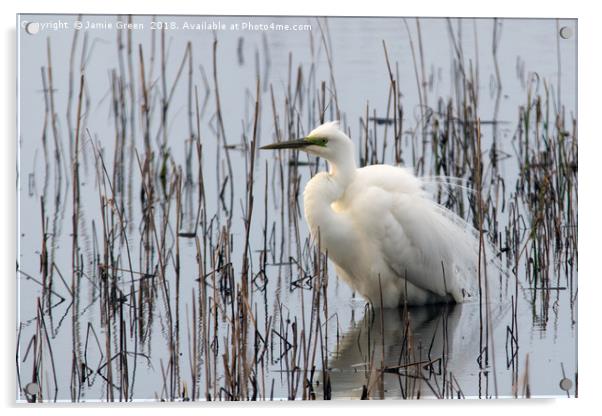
x=388, y=239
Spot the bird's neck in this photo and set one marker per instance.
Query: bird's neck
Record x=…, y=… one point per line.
x=342, y=170
x=321, y=192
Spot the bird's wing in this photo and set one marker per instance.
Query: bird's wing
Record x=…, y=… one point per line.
x=445, y=250
x=418, y=239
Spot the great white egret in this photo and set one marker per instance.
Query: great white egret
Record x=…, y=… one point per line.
x=389, y=240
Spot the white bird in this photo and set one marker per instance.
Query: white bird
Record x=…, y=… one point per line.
x=388, y=239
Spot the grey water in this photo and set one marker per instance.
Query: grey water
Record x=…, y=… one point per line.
x=531, y=53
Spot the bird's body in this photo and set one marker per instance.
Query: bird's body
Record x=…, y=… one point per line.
x=388, y=239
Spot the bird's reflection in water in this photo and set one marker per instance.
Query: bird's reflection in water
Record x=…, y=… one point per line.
x=420, y=349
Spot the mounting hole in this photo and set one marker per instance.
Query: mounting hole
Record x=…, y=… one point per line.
x=32, y=389
x=566, y=32
x=566, y=384
x=32, y=28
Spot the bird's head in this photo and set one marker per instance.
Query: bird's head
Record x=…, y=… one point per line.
x=326, y=141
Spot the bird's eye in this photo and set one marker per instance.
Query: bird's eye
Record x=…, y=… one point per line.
x=319, y=141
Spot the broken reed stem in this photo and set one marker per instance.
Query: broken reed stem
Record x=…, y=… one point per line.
x=75, y=255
